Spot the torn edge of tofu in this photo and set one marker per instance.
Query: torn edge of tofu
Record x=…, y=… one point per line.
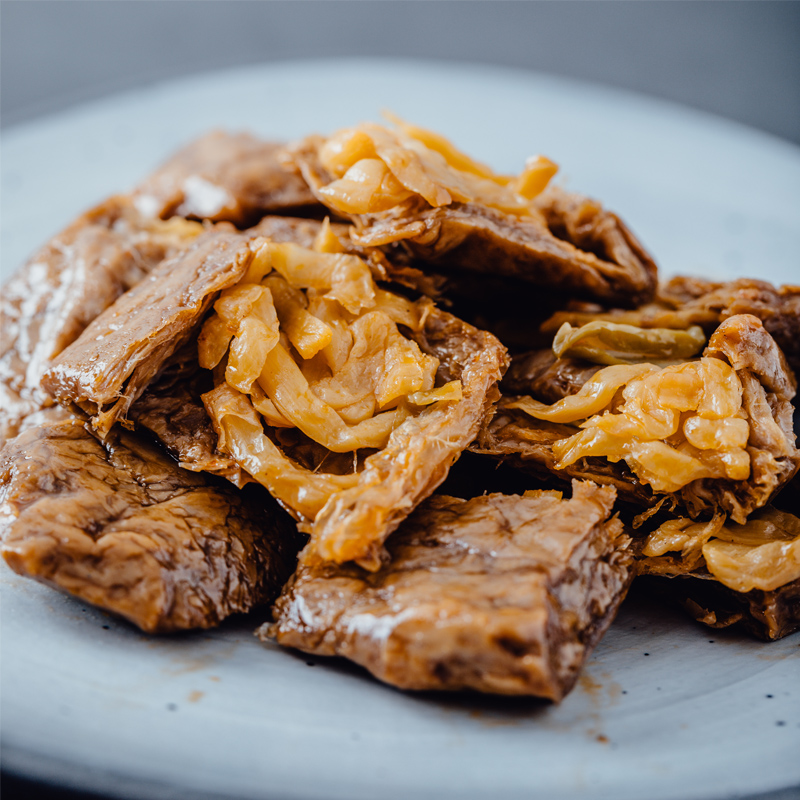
x=502, y=593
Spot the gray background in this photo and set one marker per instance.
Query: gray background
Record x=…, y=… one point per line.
x=737, y=59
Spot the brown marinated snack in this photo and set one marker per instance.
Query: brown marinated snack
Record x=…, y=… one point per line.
x=348, y=503
x=420, y=452
x=728, y=574
x=64, y=286
x=460, y=216
x=231, y=177
x=172, y=410
x=123, y=349
x=541, y=374
x=505, y=594
x=120, y=525
x=684, y=301
x=733, y=452
x=118, y=356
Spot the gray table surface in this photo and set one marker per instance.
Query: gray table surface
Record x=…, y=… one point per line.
x=737, y=59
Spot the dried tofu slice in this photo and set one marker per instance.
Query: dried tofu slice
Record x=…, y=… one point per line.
x=120, y=525
x=373, y=355
x=124, y=348
x=501, y=593
x=71, y=279
x=223, y=176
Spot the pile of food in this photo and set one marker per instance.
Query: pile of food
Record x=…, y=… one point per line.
x=311, y=376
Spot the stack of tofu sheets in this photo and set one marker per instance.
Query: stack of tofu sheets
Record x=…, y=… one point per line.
x=437, y=418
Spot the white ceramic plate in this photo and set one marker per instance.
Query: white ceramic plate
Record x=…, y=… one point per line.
x=665, y=708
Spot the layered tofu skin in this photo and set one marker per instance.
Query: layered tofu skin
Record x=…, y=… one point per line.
x=249, y=383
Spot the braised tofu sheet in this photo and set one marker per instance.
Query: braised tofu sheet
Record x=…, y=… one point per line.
x=244, y=383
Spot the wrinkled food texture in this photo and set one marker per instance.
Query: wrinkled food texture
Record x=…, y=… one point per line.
x=123, y=349
x=64, y=286
x=349, y=360
x=543, y=376
x=763, y=553
x=515, y=438
x=684, y=301
x=116, y=358
x=354, y=523
x=121, y=526
x=232, y=177
x=458, y=234
x=311, y=233
x=604, y=342
x=171, y=409
x=502, y=593
x=757, y=401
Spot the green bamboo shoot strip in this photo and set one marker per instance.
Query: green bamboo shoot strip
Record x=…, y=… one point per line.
x=604, y=342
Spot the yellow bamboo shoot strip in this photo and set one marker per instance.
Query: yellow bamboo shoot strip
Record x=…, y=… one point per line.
x=447, y=393
x=744, y=568
x=402, y=311
x=287, y=387
x=645, y=430
x=377, y=168
x=342, y=277
x=248, y=309
x=356, y=379
x=463, y=187
x=338, y=351
x=326, y=241
x=592, y=397
x=306, y=332
x=406, y=369
x=367, y=187
x=382, y=366
x=533, y=180
x=685, y=535
x=267, y=409
x=454, y=157
x=763, y=553
x=212, y=344
x=341, y=151
x=238, y=302
x=715, y=434
x=247, y=354
x=242, y=436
